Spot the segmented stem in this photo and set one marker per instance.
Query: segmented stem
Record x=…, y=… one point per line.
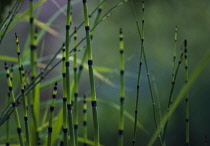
x=8, y=123
x=14, y=105
x=139, y=77
x=172, y=90
x=69, y=104
x=22, y=84
x=52, y=107
x=65, y=134
x=75, y=88
x=85, y=121
x=122, y=88
x=187, y=138
x=91, y=76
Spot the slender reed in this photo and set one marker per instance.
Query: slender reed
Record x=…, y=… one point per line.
x=172, y=90
x=13, y=103
x=35, y=91
x=69, y=100
x=75, y=89
x=139, y=77
x=22, y=84
x=52, y=107
x=91, y=76
x=65, y=127
x=85, y=121
x=187, y=133
x=142, y=55
x=122, y=89
x=174, y=58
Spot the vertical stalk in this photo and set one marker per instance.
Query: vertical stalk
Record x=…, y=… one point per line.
x=187, y=138
x=91, y=76
x=85, y=121
x=8, y=124
x=172, y=90
x=65, y=127
x=14, y=105
x=75, y=89
x=122, y=89
x=139, y=77
x=22, y=84
x=35, y=91
x=52, y=107
x=69, y=104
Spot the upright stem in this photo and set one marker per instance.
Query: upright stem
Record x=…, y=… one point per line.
x=14, y=105
x=139, y=76
x=187, y=138
x=52, y=107
x=75, y=88
x=122, y=89
x=85, y=121
x=35, y=91
x=65, y=127
x=69, y=104
x=22, y=84
x=91, y=76
x=8, y=124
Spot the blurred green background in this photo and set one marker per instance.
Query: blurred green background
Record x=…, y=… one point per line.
x=161, y=17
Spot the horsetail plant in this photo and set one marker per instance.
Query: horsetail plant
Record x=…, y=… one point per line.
x=75, y=88
x=69, y=100
x=187, y=133
x=14, y=105
x=172, y=90
x=85, y=121
x=65, y=127
x=122, y=88
x=8, y=124
x=52, y=107
x=22, y=84
x=174, y=58
x=11, y=72
x=91, y=76
x=139, y=74
x=8, y=110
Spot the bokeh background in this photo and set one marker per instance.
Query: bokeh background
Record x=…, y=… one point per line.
x=161, y=17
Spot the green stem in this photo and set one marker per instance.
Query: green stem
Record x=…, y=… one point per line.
x=85, y=121
x=65, y=134
x=75, y=89
x=52, y=107
x=22, y=84
x=187, y=133
x=69, y=104
x=91, y=76
x=14, y=105
x=122, y=89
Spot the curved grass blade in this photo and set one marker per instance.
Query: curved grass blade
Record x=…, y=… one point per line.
x=180, y=96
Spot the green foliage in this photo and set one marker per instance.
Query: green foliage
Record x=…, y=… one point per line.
x=77, y=68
